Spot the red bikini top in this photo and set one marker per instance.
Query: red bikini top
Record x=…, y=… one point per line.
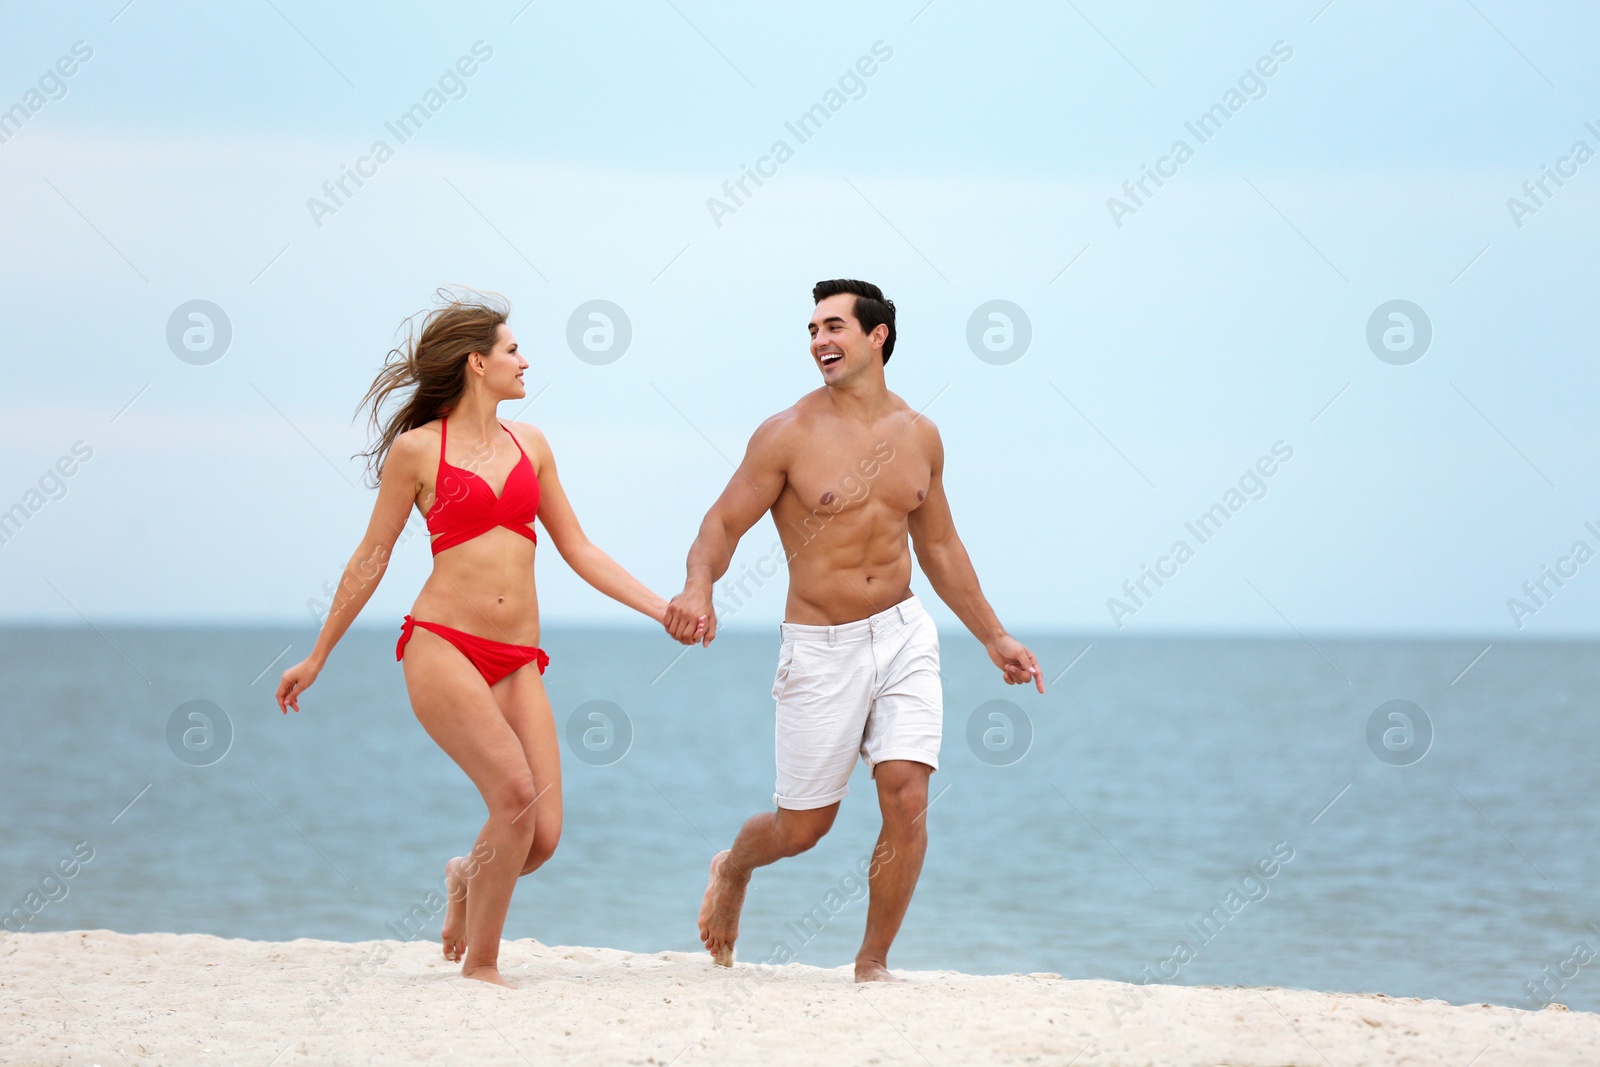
x=465, y=507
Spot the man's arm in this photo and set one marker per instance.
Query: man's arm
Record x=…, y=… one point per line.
x=750, y=493
x=945, y=561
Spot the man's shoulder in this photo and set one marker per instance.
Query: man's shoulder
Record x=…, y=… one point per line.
x=792, y=421
x=810, y=405
x=916, y=422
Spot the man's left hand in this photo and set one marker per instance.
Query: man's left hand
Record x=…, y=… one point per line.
x=1016, y=663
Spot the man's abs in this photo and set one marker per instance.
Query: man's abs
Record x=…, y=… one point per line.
x=856, y=566
x=841, y=596
x=844, y=518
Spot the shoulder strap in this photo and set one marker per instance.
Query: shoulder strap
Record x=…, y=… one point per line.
x=514, y=440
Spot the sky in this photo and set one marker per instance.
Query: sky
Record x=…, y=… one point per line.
x=1342, y=278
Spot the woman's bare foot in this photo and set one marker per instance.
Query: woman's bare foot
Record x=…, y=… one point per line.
x=490, y=974
x=454, y=932
x=873, y=971
x=720, y=908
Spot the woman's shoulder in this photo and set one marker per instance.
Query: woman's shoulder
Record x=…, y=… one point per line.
x=527, y=433
x=533, y=444
x=419, y=442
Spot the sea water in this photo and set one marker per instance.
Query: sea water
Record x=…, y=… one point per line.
x=1201, y=811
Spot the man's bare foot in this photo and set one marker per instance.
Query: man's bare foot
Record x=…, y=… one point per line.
x=489, y=974
x=454, y=932
x=872, y=971
x=720, y=908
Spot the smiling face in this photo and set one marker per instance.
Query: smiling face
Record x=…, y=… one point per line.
x=502, y=366
x=842, y=350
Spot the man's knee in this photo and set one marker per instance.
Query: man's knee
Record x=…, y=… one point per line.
x=803, y=839
x=903, y=792
x=803, y=829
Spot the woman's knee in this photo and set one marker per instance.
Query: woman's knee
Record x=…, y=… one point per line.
x=539, y=853
x=514, y=801
x=546, y=835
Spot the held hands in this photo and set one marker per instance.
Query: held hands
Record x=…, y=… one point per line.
x=1016, y=663
x=296, y=680
x=690, y=618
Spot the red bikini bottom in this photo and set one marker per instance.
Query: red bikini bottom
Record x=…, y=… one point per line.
x=494, y=659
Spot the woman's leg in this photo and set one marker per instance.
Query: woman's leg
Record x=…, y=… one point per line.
x=526, y=706
x=462, y=716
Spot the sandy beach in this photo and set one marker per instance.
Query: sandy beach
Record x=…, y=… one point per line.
x=97, y=997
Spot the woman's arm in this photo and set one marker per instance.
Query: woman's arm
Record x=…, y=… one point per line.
x=397, y=492
x=586, y=558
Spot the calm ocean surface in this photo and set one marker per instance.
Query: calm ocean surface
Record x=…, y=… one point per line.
x=1158, y=774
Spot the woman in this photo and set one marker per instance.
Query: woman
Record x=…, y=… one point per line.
x=469, y=647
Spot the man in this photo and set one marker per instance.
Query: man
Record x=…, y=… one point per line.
x=850, y=472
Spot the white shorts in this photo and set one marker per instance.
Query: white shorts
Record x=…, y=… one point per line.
x=869, y=688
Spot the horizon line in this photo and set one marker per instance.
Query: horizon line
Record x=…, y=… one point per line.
x=1082, y=633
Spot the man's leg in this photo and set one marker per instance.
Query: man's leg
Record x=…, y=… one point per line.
x=896, y=862
x=764, y=839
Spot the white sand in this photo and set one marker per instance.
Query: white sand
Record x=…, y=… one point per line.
x=100, y=997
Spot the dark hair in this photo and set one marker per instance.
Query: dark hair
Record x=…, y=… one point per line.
x=873, y=309
x=428, y=372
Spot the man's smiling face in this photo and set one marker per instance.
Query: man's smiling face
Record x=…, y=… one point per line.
x=839, y=346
